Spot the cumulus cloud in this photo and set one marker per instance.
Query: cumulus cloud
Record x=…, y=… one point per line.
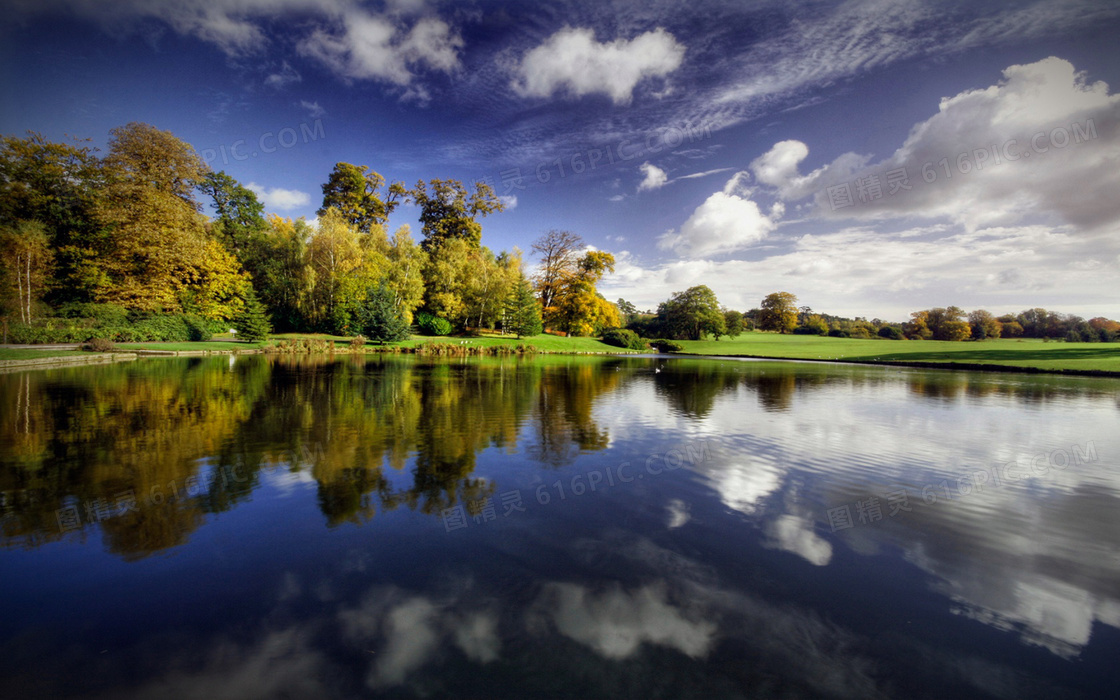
x=368, y=46
x=653, y=177
x=727, y=221
x=278, y=198
x=572, y=60
x=508, y=201
x=1042, y=142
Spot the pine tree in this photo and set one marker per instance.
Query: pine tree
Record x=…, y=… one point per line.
x=522, y=311
x=378, y=317
x=252, y=325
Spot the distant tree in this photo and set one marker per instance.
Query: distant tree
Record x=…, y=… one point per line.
x=378, y=318
x=948, y=324
x=356, y=192
x=984, y=325
x=449, y=211
x=813, y=325
x=579, y=308
x=917, y=328
x=627, y=310
x=522, y=310
x=778, y=312
x=252, y=324
x=691, y=314
x=733, y=322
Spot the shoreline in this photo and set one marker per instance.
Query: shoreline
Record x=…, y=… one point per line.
x=922, y=364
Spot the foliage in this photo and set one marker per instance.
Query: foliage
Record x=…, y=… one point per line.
x=891, y=333
x=433, y=325
x=355, y=192
x=522, y=311
x=577, y=307
x=448, y=211
x=622, y=338
x=379, y=319
x=691, y=314
x=812, y=325
x=239, y=214
x=778, y=312
x=733, y=322
x=559, y=253
x=27, y=256
x=98, y=345
x=983, y=325
x=252, y=324
x=666, y=345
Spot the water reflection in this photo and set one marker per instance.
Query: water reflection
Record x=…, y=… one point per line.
x=317, y=488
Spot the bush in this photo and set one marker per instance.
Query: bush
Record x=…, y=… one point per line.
x=839, y=333
x=433, y=325
x=860, y=332
x=98, y=345
x=891, y=333
x=623, y=338
x=357, y=343
x=198, y=330
x=666, y=345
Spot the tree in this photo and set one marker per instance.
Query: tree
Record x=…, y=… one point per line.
x=917, y=328
x=446, y=281
x=277, y=261
x=252, y=324
x=628, y=311
x=522, y=310
x=335, y=258
x=813, y=325
x=448, y=211
x=691, y=314
x=579, y=309
x=356, y=192
x=733, y=322
x=405, y=274
x=25, y=250
x=984, y=325
x=947, y=324
x=559, y=252
x=778, y=312
x=238, y=212
x=154, y=234
x=378, y=318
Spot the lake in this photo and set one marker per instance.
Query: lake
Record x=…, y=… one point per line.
x=581, y=527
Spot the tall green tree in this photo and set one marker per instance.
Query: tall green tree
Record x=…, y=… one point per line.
x=360, y=195
x=522, y=310
x=778, y=312
x=733, y=322
x=239, y=215
x=449, y=211
x=691, y=314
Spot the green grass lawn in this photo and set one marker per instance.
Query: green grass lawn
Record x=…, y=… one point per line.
x=1005, y=351
x=32, y=354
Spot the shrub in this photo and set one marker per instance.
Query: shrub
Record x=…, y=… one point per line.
x=666, y=345
x=623, y=338
x=98, y=345
x=891, y=333
x=198, y=330
x=433, y=325
x=839, y=333
x=860, y=332
x=357, y=343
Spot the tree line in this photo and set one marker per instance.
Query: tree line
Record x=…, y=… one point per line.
x=120, y=244
x=696, y=313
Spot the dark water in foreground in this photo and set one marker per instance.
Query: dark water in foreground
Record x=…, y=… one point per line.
x=559, y=527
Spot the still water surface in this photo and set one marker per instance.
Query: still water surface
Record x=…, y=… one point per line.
x=558, y=527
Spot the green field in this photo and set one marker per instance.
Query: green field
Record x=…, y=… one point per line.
x=1005, y=352
x=33, y=354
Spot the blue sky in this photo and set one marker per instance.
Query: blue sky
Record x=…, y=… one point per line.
x=873, y=158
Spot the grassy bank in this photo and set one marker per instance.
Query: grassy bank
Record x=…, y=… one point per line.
x=1021, y=353
x=32, y=354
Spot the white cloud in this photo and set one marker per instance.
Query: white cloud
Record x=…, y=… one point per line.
x=313, y=108
x=727, y=221
x=278, y=198
x=1042, y=142
x=508, y=201
x=285, y=76
x=655, y=177
x=572, y=60
x=366, y=46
